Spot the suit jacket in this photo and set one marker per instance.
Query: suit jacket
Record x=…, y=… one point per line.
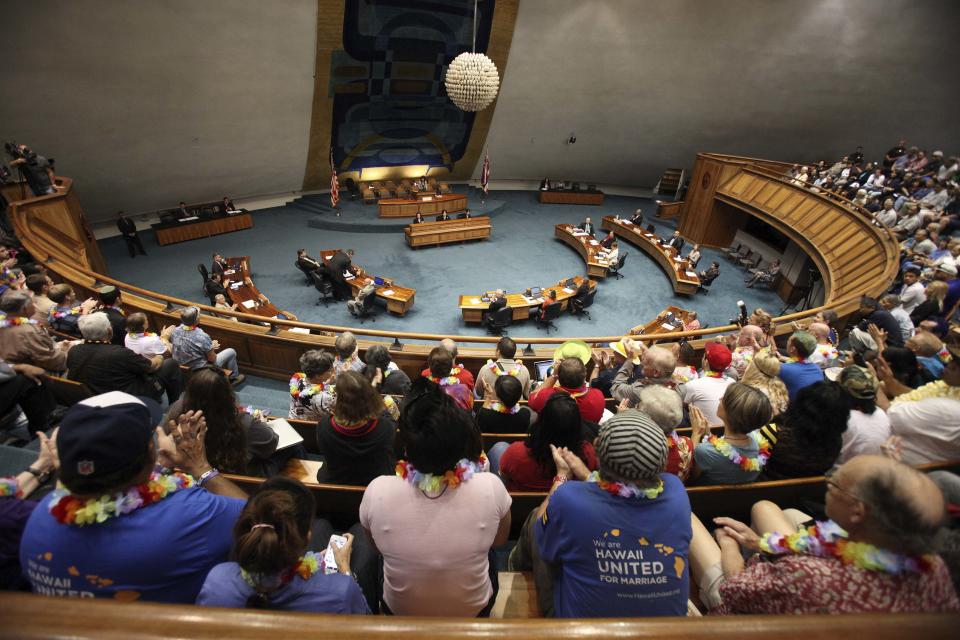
x=126, y=226
x=337, y=264
x=607, y=242
x=497, y=304
x=443, y=216
x=583, y=226
x=637, y=219
x=676, y=242
x=462, y=216
x=228, y=207
x=212, y=287
x=307, y=263
x=118, y=322
x=219, y=267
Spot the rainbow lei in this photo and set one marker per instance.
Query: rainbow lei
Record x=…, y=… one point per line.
x=498, y=372
x=829, y=540
x=143, y=334
x=62, y=312
x=745, y=463
x=308, y=564
x=303, y=391
x=10, y=488
x=6, y=321
x=66, y=508
x=452, y=379
x=428, y=482
x=626, y=489
x=499, y=408
x=713, y=374
x=186, y=328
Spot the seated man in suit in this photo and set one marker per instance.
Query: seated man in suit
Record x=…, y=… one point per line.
x=215, y=286
x=443, y=216
x=497, y=302
x=576, y=303
x=709, y=274
x=305, y=262
x=545, y=184
x=608, y=240
x=418, y=218
x=587, y=225
x=227, y=205
x=675, y=241
x=637, y=218
x=219, y=264
x=354, y=306
x=183, y=212
x=465, y=214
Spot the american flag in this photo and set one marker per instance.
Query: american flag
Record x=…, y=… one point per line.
x=334, y=183
x=485, y=174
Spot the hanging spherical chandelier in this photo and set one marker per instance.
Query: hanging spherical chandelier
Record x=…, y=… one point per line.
x=472, y=81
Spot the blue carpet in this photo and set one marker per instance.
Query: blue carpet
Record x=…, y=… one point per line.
x=520, y=253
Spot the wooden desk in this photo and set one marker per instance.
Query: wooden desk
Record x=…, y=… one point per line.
x=169, y=233
x=247, y=297
x=656, y=325
x=425, y=233
x=587, y=246
x=684, y=279
x=426, y=205
x=566, y=196
x=473, y=307
x=399, y=299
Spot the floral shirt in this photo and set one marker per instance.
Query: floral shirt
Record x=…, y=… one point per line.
x=679, y=456
x=741, y=357
x=310, y=407
x=797, y=584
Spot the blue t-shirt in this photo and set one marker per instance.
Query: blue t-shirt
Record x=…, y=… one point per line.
x=797, y=375
x=334, y=593
x=160, y=553
x=617, y=557
x=716, y=468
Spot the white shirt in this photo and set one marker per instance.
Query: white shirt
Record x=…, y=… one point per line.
x=705, y=394
x=887, y=217
x=148, y=346
x=906, y=324
x=930, y=429
x=912, y=296
x=865, y=434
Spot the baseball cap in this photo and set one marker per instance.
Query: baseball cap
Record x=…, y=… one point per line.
x=718, y=356
x=859, y=382
x=103, y=436
x=632, y=445
x=806, y=340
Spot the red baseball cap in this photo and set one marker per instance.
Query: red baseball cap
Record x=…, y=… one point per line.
x=718, y=356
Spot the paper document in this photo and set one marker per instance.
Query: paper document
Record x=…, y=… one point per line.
x=229, y=272
x=288, y=435
x=387, y=292
x=474, y=300
x=667, y=326
x=691, y=274
x=249, y=304
x=568, y=290
x=594, y=242
x=236, y=285
x=625, y=221
x=299, y=330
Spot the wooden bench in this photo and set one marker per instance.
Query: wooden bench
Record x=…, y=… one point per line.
x=66, y=392
x=424, y=234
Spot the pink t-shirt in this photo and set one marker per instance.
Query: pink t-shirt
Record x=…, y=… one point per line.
x=434, y=551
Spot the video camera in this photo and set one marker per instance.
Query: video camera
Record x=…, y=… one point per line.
x=742, y=318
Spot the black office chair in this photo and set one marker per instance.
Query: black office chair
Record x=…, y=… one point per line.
x=592, y=188
x=615, y=269
x=732, y=251
x=352, y=188
x=323, y=286
x=751, y=263
x=202, y=268
x=575, y=186
x=367, y=306
x=705, y=284
x=499, y=320
x=551, y=313
x=579, y=307
x=306, y=272
x=210, y=294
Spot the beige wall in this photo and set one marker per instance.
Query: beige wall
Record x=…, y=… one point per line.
x=646, y=84
x=146, y=103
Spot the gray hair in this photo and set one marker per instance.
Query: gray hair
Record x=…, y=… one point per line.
x=345, y=344
x=451, y=346
x=315, y=362
x=15, y=301
x=190, y=316
x=663, y=405
x=95, y=326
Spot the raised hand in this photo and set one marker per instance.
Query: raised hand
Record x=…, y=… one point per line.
x=575, y=464
x=563, y=469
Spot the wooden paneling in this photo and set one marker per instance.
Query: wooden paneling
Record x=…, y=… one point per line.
x=571, y=197
x=426, y=205
x=425, y=234
x=202, y=228
x=678, y=272
x=587, y=246
x=473, y=306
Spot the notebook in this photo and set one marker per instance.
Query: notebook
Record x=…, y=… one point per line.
x=288, y=435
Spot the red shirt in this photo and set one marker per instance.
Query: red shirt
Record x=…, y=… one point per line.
x=590, y=401
x=807, y=584
x=520, y=472
x=464, y=376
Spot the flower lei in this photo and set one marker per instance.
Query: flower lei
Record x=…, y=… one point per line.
x=302, y=390
x=66, y=508
x=745, y=463
x=944, y=356
x=62, y=312
x=186, y=328
x=143, y=334
x=712, y=374
x=308, y=564
x=6, y=321
x=626, y=489
x=499, y=408
x=938, y=389
x=428, y=482
x=827, y=539
x=498, y=372
x=258, y=414
x=10, y=488
x=448, y=380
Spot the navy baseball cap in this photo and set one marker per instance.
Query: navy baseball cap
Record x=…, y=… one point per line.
x=103, y=436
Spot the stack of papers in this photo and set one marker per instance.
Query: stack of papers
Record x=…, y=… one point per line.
x=667, y=326
x=299, y=330
x=249, y=304
x=474, y=300
x=626, y=222
x=692, y=274
x=594, y=242
x=229, y=272
x=568, y=290
x=387, y=292
x=236, y=285
x=188, y=219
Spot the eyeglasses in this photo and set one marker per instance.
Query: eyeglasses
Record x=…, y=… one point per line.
x=832, y=484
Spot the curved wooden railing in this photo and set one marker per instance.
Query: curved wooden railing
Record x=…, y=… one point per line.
x=54, y=230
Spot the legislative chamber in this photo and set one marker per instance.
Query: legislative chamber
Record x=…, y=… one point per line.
x=707, y=388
